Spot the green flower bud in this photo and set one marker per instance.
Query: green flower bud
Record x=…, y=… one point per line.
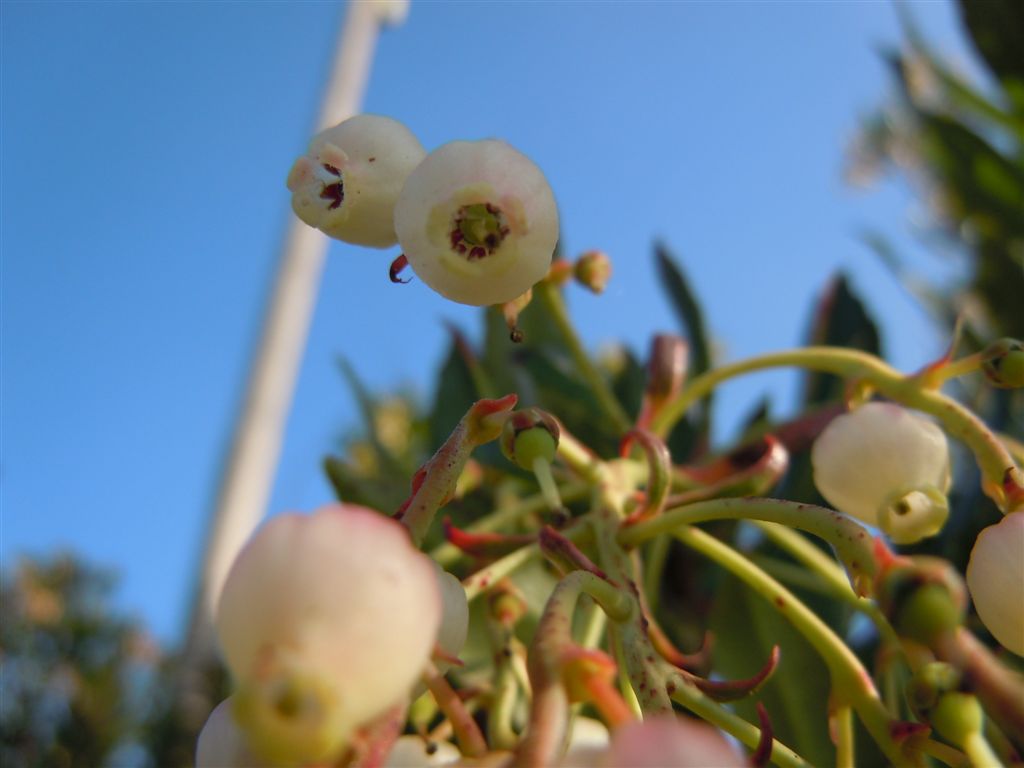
x=923, y=598
x=529, y=435
x=1003, y=363
x=929, y=684
x=957, y=717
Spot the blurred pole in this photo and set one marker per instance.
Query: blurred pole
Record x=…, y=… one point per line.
x=256, y=445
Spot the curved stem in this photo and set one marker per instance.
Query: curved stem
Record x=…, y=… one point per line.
x=992, y=457
x=852, y=542
x=835, y=581
x=689, y=696
x=851, y=683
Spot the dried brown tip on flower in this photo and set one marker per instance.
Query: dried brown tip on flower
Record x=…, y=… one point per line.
x=593, y=270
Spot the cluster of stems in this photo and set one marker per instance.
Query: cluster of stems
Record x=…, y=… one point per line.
x=595, y=646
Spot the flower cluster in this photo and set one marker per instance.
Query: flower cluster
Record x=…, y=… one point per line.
x=326, y=621
x=345, y=642
x=476, y=220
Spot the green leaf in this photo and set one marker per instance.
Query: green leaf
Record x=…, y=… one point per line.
x=996, y=27
x=628, y=382
x=840, y=319
x=455, y=393
x=691, y=434
x=797, y=695
x=687, y=309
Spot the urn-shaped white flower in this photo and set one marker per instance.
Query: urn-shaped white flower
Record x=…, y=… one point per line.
x=668, y=741
x=221, y=744
x=325, y=622
x=347, y=183
x=995, y=579
x=478, y=222
x=886, y=466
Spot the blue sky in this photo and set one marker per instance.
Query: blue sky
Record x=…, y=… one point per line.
x=144, y=148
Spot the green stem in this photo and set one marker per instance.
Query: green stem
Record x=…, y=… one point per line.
x=832, y=576
x=992, y=457
x=552, y=641
x=851, y=683
x=843, y=720
x=552, y=299
x=852, y=542
x=980, y=753
x=479, y=582
x=689, y=696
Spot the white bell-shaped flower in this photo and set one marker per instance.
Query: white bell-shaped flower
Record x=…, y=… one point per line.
x=478, y=222
x=886, y=466
x=325, y=621
x=670, y=741
x=455, y=614
x=347, y=183
x=995, y=579
x=221, y=744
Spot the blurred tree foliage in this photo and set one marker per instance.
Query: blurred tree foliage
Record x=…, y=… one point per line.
x=962, y=145
x=77, y=682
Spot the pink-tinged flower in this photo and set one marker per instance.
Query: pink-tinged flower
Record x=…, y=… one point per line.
x=886, y=466
x=325, y=622
x=347, y=183
x=669, y=741
x=995, y=578
x=477, y=222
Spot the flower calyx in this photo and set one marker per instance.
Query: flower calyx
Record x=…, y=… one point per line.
x=1002, y=362
x=923, y=597
x=528, y=436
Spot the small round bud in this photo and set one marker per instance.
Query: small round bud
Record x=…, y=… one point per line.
x=325, y=621
x=886, y=466
x=478, y=222
x=923, y=598
x=529, y=435
x=929, y=684
x=995, y=578
x=957, y=716
x=348, y=181
x=593, y=270
x=1003, y=363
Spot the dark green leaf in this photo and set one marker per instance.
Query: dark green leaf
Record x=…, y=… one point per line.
x=690, y=436
x=997, y=27
x=797, y=696
x=840, y=319
x=455, y=393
